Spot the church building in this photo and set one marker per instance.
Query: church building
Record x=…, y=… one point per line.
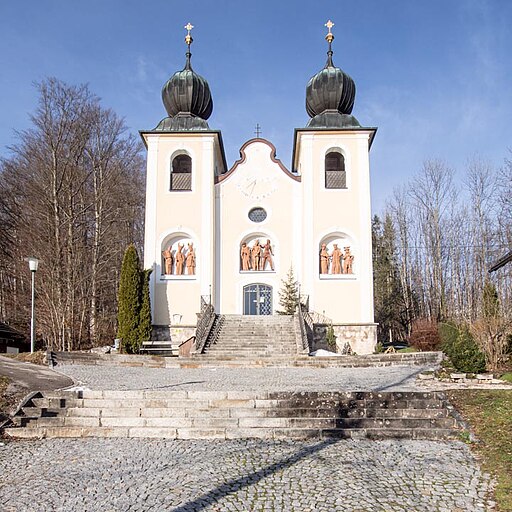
x=230, y=235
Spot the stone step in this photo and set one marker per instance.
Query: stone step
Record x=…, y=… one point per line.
x=136, y=412
x=237, y=342
x=231, y=433
x=235, y=414
x=251, y=351
x=240, y=422
x=262, y=331
x=160, y=352
x=241, y=345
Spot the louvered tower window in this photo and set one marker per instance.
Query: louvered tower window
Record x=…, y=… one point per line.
x=181, y=173
x=335, y=174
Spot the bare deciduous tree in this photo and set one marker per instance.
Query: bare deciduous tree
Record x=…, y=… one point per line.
x=74, y=198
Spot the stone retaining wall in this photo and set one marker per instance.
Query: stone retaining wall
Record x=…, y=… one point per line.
x=362, y=338
x=373, y=360
x=176, y=334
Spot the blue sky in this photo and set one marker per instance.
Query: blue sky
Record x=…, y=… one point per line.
x=434, y=76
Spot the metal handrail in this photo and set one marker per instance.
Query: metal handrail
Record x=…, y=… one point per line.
x=306, y=330
x=205, y=321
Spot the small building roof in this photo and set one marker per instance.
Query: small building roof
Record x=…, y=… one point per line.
x=7, y=332
x=501, y=262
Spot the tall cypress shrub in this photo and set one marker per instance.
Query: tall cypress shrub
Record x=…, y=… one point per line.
x=145, y=309
x=129, y=300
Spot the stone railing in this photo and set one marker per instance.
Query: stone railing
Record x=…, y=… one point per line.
x=205, y=321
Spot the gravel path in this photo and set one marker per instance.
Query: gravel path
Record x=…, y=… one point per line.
x=246, y=379
x=148, y=475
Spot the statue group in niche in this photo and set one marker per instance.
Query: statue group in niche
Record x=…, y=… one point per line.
x=175, y=264
x=257, y=257
x=337, y=262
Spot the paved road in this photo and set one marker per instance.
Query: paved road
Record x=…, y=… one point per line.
x=246, y=379
x=184, y=476
x=32, y=377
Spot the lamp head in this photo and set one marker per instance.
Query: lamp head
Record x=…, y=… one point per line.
x=32, y=263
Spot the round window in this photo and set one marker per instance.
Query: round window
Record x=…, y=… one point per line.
x=257, y=215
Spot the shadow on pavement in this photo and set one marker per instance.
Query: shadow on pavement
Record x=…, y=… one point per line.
x=412, y=375
x=234, y=485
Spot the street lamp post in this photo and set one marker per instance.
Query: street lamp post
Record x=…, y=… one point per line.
x=33, y=263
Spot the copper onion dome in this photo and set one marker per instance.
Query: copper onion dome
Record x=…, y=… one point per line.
x=186, y=95
x=330, y=94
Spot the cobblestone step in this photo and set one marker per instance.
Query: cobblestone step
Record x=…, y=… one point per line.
x=235, y=414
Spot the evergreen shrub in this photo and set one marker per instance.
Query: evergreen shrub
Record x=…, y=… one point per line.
x=145, y=323
x=134, y=307
x=458, y=344
x=289, y=294
x=330, y=338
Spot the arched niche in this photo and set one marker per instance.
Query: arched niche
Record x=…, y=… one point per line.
x=257, y=253
x=179, y=256
x=337, y=255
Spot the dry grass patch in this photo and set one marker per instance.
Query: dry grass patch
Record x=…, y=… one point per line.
x=38, y=357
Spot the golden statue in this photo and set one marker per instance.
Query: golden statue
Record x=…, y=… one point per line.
x=168, y=260
x=191, y=260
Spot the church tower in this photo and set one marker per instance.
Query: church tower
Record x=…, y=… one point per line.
x=331, y=156
x=184, y=156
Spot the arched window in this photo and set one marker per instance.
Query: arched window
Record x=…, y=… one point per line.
x=181, y=173
x=335, y=175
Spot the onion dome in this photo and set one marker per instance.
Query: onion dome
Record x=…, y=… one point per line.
x=330, y=94
x=186, y=97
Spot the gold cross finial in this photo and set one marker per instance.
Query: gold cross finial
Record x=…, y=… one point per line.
x=330, y=35
x=188, y=38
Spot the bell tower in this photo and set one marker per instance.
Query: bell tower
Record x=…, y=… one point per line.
x=184, y=156
x=331, y=154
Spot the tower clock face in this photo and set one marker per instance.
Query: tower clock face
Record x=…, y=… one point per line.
x=256, y=187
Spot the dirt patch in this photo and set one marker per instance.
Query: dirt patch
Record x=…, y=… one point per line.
x=10, y=397
x=38, y=357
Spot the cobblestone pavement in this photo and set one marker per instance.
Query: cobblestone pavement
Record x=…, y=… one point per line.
x=153, y=475
x=246, y=379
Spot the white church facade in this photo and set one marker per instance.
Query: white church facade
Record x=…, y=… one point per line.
x=230, y=235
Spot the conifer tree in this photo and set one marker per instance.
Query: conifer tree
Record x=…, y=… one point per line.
x=289, y=294
x=490, y=301
x=390, y=309
x=145, y=327
x=129, y=300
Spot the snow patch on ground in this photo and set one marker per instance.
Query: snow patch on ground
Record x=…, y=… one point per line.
x=324, y=353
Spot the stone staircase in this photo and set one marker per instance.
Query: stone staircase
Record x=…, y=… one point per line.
x=235, y=415
x=159, y=348
x=244, y=337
